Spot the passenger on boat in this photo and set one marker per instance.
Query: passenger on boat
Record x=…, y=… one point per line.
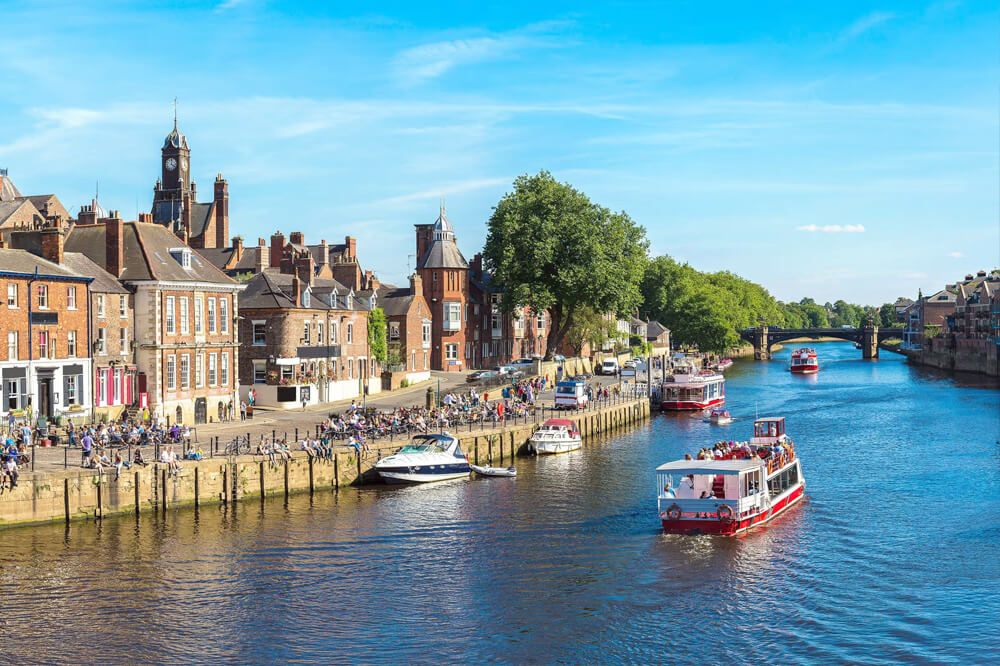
x=707, y=494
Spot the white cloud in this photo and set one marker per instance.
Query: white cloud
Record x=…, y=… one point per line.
x=229, y=4
x=865, y=23
x=834, y=228
x=956, y=255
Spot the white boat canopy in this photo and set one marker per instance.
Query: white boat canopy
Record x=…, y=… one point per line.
x=709, y=466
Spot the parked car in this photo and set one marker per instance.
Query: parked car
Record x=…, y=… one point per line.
x=480, y=374
x=609, y=366
x=558, y=357
x=522, y=363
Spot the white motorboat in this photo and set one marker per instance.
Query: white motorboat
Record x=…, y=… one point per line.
x=556, y=436
x=720, y=417
x=494, y=471
x=426, y=458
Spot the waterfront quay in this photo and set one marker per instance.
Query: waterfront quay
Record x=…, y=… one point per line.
x=74, y=493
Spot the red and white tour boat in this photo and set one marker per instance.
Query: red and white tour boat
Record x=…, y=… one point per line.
x=687, y=389
x=804, y=361
x=723, y=365
x=735, y=487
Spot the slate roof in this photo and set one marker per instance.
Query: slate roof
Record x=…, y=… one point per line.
x=443, y=254
x=147, y=253
x=272, y=289
x=262, y=293
x=334, y=251
x=103, y=283
x=201, y=215
x=8, y=190
x=220, y=257
x=655, y=329
x=24, y=262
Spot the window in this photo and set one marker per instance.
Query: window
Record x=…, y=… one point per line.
x=12, y=294
x=123, y=307
x=11, y=345
x=100, y=305
x=102, y=388
x=349, y=299
x=465, y=315
x=306, y=298
x=211, y=315
x=15, y=389
x=350, y=333
x=43, y=344
x=495, y=324
x=413, y=360
x=259, y=335
x=171, y=377
x=169, y=315
x=452, y=320
x=184, y=315
x=123, y=340
x=425, y=360
x=212, y=363
x=451, y=351
x=43, y=297
x=199, y=326
x=71, y=297
x=181, y=255
x=224, y=370
x=260, y=372
x=100, y=345
x=224, y=315
x=333, y=333
x=286, y=372
x=71, y=344
x=350, y=368
x=199, y=367
x=468, y=350
x=116, y=384
x=435, y=277
x=319, y=333
x=73, y=389
x=185, y=371
x=305, y=333
x=425, y=333
x=540, y=321
x=394, y=330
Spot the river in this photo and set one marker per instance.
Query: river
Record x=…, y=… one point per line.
x=894, y=555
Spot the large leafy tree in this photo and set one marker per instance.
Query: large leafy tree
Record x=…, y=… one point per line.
x=377, y=340
x=549, y=247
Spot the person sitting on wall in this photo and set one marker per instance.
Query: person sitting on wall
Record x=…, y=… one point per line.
x=137, y=459
x=10, y=470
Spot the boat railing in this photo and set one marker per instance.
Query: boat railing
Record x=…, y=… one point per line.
x=696, y=508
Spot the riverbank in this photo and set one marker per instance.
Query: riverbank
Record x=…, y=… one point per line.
x=83, y=494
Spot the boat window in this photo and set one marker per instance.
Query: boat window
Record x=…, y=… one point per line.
x=423, y=446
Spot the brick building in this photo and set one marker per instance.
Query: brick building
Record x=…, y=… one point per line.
x=28, y=212
x=304, y=336
x=186, y=350
x=45, y=367
x=408, y=322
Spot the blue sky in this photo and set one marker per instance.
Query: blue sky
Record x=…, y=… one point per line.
x=837, y=150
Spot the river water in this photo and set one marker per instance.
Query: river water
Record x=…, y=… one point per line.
x=894, y=556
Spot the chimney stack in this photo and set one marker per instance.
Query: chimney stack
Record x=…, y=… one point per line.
x=351, y=253
x=277, y=248
x=114, y=245
x=237, y=247
x=304, y=268
x=425, y=235
x=324, y=253
x=296, y=238
x=263, y=256
x=146, y=217
x=88, y=214
x=52, y=245
x=416, y=284
x=296, y=291
x=221, y=211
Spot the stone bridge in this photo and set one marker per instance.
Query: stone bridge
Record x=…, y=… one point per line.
x=868, y=337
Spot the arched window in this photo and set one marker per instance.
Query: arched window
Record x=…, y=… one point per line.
x=179, y=415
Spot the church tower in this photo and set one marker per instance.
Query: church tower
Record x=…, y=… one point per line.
x=173, y=195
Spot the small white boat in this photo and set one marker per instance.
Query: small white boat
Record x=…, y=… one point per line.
x=556, y=436
x=494, y=471
x=720, y=417
x=426, y=458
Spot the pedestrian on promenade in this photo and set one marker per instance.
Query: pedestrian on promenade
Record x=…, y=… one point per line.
x=88, y=449
x=305, y=401
x=243, y=410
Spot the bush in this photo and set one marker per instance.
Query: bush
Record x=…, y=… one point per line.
x=403, y=384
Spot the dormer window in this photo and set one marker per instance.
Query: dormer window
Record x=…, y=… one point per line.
x=306, y=298
x=371, y=302
x=349, y=299
x=183, y=256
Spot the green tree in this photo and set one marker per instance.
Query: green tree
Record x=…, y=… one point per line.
x=377, y=338
x=887, y=315
x=549, y=247
x=589, y=327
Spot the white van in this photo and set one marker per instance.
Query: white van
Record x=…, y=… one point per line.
x=609, y=366
x=571, y=395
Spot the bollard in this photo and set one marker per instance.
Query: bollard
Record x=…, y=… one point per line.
x=65, y=457
x=273, y=435
x=296, y=434
x=33, y=456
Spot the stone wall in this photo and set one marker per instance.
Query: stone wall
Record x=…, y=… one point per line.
x=76, y=494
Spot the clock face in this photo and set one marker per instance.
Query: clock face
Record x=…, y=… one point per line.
x=171, y=164
x=184, y=164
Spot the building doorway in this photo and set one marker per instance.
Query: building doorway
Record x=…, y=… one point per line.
x=200, y=411
x=45, y=397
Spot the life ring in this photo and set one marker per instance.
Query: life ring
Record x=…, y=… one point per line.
x=725, y=513
x=674, y=512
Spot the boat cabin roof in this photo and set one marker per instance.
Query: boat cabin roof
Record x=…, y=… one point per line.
x=769, y=419
x=709, y=466
x=561, y=422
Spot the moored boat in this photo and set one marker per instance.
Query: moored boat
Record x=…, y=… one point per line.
x=687, y=389
x=804, y=361
x=556, y=436
x=720, y=416
x=736, y=487
x=426, y=458
x=494, y=471
x=723, y=365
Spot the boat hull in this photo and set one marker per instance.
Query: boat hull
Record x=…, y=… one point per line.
x=733, y=527
x=690, y=405
x=722, y=421
x=805, y=369
x=552, y=448
x=422, y=473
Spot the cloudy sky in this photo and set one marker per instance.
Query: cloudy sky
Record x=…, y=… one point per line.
x=840, y=150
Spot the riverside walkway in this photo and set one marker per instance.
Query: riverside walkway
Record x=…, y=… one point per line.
x=59, y=489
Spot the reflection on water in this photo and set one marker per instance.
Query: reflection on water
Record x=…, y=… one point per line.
x=892, y=557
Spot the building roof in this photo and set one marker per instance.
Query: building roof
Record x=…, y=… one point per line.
x=655, y=329
x=394, y=301
x=25, y=263
x=19, y=211
x=146, y=248
x=272, y=289
x=443, y=254
x=201, y=215
x=104, y=282
x=262, y=293
x=943, y=296
x=175, y=139
x=221, y=256
x=8, y=190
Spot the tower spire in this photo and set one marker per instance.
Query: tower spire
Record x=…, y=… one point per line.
x=175, y=113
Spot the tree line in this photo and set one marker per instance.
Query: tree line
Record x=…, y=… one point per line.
x=549, y=247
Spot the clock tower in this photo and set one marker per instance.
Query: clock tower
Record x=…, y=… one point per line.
x=175, y=161
x=174, y=194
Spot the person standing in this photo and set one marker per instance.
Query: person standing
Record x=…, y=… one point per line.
x=88, y=447
x=243, y=410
